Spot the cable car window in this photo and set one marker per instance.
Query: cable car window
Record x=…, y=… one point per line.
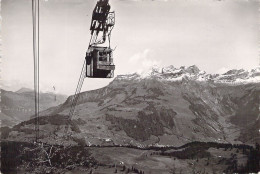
x=102, y=56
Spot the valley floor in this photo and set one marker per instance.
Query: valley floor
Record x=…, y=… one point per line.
x=196, y=157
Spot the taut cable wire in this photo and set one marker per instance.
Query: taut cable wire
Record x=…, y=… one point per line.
x=36, y=43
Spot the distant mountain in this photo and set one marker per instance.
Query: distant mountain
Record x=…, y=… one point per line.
x=162, y=106
x=19, y=106
x=23, y=90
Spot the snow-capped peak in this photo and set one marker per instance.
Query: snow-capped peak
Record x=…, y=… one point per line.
x=153, y=71
x=240, y=76
x=170, y=70
x=171, y=73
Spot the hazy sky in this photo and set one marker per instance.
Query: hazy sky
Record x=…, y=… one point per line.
x=215, y=35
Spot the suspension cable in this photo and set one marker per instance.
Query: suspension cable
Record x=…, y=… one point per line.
x=78, y=89
x=75, y=97
x=35, y=19
x=38, y=66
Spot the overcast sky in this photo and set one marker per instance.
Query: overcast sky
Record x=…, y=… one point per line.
x=215, y=35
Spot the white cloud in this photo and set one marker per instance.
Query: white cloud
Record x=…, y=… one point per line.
x=143, y=61
x=147, y=63
x=139, y=56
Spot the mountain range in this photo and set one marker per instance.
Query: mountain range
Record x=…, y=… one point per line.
x=163, y=106
x=19, y=106
x=171, y=73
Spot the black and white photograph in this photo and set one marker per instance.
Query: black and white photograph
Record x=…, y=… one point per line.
x=129, y=86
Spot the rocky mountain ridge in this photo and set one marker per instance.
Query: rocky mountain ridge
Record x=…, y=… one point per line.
x=172, y=73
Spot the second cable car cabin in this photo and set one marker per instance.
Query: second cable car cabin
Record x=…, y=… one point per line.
x=99, y=62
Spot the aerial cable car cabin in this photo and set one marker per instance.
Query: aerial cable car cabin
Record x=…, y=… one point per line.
x=99, y=59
